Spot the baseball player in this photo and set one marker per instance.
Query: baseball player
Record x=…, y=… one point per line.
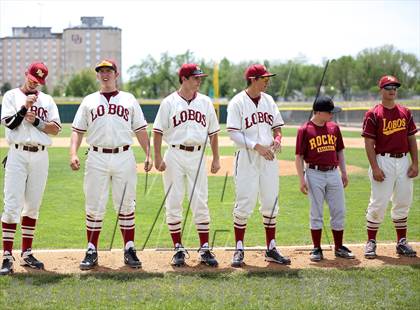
x=389, y=131
x=320, y=145
x=29, y=116
x=185, y=121
x=109, y=117
x=253, y=123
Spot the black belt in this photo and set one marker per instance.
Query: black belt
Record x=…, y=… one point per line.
x=110, y=151
x=31, y=148
x=395, y=155
x=188, y=148
x=322, y=168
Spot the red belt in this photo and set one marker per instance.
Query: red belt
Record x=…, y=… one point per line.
x=188, y=148
x=395, y=155
x=31, y=148
x=110, y=151
x=322, y=168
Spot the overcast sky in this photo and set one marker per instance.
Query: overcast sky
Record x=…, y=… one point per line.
x=238, y=30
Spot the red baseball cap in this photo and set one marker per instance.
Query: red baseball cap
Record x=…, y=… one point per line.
x=188, y=70
x=388, y=80
x=257, y=71
x=37, y=72
x=106, y=63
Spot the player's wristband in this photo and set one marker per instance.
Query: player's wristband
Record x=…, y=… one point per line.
x=278, y=139
x=39, y=124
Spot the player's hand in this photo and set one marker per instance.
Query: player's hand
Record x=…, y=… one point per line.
x=378, y=175
x=265, y=152
x=160, y=164
x=276, y=147
x=30, y=100
x=413, y=171
x=304, y=187
x=215, y=165
x=345, y=180
x=148, y=164
x=30, y=117
x=74, y=163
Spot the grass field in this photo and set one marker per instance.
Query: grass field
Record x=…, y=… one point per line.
x=62, y=225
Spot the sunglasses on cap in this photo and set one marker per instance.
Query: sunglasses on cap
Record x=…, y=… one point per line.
x=390, y=87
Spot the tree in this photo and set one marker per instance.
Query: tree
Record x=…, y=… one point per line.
x=5, y=87
x=341, y=75
x=82, y=84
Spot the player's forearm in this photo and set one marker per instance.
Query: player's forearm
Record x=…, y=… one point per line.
x=277, y=133
x=214, y=143
x=342, y=162
x=299, y=167
x=157, y=144
x=15, y=120
x=412, y=144
x=75, y=141
x=51, y=128
x=144, y=142
x=241, y=140
x=370, y=152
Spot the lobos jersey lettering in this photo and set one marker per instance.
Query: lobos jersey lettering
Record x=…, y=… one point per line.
x=255, y=121
x=186, y=123
x=26, y=133
x=319, y=145
x=389, y=127
x=109, y=124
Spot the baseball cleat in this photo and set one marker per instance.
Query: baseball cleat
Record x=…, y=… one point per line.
x=238, y=258
x=344, y=252
x=131, y=259
x=370, y=249
x=316, y=255
x=7, y=265
x=29, y=260
x=178, y=260
x=90, y=260
x=274, y=256
x=207, y=257
x=404, y=249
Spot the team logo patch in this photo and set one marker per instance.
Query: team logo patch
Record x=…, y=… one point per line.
x=40, y=73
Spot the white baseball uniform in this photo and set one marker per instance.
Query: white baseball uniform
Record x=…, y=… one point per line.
x=109, y=127
x=253, y=174
x=26, y=171
x=185, y=127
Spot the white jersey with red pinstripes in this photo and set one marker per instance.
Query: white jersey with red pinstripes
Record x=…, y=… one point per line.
x=44, y=108
x=186, y=123
x=109, y=124
x=255, y=121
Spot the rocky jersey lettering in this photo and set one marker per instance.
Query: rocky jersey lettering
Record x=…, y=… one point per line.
x=389, y=128
x=319, y=145
x=109, y=124
x=255, y=121
x=186, y=123
x=44, y=108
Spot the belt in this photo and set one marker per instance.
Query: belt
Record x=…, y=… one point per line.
x=395, y=155
x=188, y=148
x=321, y=168
x=30, y=148
x=110, y=151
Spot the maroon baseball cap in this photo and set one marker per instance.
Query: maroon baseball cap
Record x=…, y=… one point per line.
x=388, y=80
x=37, y=72
x=257, y=71
x=188, y=70
x=106, y=63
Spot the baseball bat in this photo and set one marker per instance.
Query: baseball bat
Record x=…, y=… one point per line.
x=118, y=215
x=319, y=86
x=147, y=172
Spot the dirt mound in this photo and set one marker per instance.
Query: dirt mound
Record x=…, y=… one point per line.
x=286, y=167
x=67, y=261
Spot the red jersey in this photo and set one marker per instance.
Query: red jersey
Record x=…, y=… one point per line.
x=389, y=127
x=319, y=145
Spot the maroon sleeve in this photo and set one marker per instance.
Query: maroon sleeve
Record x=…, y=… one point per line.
x=340, y=143
x=411, y=126
x=300, y=141
x=369, y=125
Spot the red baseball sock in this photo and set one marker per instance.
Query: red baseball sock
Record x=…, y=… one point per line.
x=239, y=234
x=372, y=229
x=338, y=238
x=316, y=237
x=270, y=234
x=175, y=230
x=9, y=231
x=28, y=230
x=127, y=226
x=93, y=229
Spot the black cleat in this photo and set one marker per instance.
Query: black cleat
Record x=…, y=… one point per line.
x=178, y=260
x=131, y=259
x=404, y=249
x=30, y=261
x=344, y=252
x=7, y=265
x=90, y=260
x=207, y=257
x=316, y=255
x=274, y=256
x=238, y=258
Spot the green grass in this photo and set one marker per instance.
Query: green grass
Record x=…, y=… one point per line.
x=377, y=288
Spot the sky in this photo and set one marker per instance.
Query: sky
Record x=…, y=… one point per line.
x=239, y=30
